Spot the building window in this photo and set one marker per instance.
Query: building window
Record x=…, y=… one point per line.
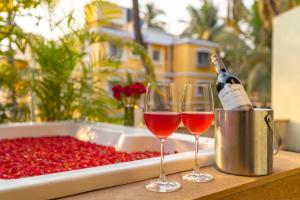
x=134, y=54
x=114, y=50
x=156, y=56
x=202, y=59
x=199, y=92
x=109, y=89
x=129, y=15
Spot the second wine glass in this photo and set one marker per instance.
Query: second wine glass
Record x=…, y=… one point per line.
x=197, y=116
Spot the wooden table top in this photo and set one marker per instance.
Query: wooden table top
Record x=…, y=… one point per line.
x=285, y=164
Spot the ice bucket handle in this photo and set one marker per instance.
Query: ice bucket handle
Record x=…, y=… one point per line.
x=270, y=123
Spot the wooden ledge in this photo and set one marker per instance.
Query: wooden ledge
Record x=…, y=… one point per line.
x=282, y=184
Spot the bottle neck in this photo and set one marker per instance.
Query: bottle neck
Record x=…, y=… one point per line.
x=219, y=65
x=221, y=70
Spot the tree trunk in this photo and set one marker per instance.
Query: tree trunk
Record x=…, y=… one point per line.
x=11, y=61
x=137, y=31
x=229, y=10
x=272, y=8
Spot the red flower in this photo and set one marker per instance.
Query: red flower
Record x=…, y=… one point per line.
x=128, y=91
x=138, y=89
x=117, y=91
x=134, y=90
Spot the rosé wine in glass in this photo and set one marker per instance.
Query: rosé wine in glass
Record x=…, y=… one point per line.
x=197, y=122
x=162, y=124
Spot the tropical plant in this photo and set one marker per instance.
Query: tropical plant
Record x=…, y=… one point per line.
x=53, y=84
x=203, y=22
x=60, y=81
x=13, y=82
x=13, y=41
x=70, y=86
x=150, y=16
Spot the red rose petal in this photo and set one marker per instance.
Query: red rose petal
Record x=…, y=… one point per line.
x=25, y=157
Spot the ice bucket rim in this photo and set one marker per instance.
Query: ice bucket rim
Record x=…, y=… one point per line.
x=252, y=110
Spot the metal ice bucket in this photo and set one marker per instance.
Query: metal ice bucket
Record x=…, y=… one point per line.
x=244, y=141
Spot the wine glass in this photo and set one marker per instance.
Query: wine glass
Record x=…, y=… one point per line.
x=162, y=117
x=197, y=116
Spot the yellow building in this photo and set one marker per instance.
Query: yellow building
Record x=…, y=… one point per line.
x=182, y=60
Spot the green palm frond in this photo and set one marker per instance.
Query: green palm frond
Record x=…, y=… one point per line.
x=204, y=22
x=100, y=13
x=150, y=16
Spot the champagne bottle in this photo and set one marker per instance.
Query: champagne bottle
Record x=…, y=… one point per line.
x=230, y=90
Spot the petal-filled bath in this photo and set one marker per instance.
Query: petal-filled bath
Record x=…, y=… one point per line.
x=25, y=157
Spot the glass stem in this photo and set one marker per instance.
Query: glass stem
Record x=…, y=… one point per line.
x=196, y=167
x=162, y=175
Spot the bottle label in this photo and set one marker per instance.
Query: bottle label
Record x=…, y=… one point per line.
x=233, y=96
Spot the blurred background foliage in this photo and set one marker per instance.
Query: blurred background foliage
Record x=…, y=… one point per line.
x=59, y=83
x=245, y=39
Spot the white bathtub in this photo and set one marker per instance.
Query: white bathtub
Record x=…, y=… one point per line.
x=122, y=138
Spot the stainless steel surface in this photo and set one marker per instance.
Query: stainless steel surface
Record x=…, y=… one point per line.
x=244, y=141
x=272, y=127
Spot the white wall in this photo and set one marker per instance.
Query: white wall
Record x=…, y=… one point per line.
x=286, y=74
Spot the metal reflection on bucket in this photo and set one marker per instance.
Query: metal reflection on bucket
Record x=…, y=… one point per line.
x=244, y=141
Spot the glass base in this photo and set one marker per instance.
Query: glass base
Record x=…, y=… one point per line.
x=198, y=177
x=163, y=186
